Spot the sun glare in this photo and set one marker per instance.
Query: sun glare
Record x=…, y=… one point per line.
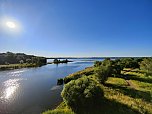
x=10, y=24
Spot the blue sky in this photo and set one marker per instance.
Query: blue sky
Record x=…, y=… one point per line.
x=77, y=27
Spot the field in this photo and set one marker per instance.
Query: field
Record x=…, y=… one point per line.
x=130, y=93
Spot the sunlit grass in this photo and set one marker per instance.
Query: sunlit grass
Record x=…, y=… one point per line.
x=121, y=98
x=116, y=81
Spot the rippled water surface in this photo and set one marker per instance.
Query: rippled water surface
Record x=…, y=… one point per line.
x=34, y=90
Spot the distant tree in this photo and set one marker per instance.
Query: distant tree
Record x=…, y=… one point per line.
x=116, y=68
x=21, y=61
x=15, y=58
x=97, y=63
x=56, y=60
x=66, y=60
x=146, y=65
x=6, y=63
x=28, y=61
x=130, y=62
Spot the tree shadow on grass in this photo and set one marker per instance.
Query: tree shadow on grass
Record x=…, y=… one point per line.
x=110, y=107
x=132, y=92
x=134, y=77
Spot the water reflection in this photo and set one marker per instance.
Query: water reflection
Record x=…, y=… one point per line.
x=11, y=86
x=33, y=90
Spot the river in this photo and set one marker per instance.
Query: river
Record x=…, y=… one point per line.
x=34, y=90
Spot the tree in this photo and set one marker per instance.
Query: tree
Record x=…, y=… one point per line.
x=82, y=94
x=103, y=71
x=56, y=60
x=146, y=65
x=21, y=61
x=28, y=61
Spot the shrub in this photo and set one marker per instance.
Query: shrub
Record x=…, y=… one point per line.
x=60, y=81
x=146, y=65
x=88, y=71
x=116, y=68
x=103, y=71
x=82, y=94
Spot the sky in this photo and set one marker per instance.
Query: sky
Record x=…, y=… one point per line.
x=78, y=28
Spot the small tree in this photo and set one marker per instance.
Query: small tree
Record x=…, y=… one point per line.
x=82, y=94
x=21, y=61
x=56, y=60
x=28, y=61
x=103, y=71
x=146, y=65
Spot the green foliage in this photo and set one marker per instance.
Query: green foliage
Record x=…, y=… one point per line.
x=57, y=61
x=130, y=62
x=88, y=71
x=16, y=58
x=119, y=96
x=97, y=63
x=116, y=68
x=28, y=60
x=60, y=81
x=103, y=71
x=146, y=65
x=82, y=94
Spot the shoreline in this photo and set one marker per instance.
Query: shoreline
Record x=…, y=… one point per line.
x=17, y=66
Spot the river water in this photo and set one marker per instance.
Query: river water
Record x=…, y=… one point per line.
x=34, y=90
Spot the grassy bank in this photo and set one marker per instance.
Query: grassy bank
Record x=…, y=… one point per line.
x=130, y=93
x=17, y=66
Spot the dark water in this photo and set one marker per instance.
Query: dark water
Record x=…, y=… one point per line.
x=34, y=90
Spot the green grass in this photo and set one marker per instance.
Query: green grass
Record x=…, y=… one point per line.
x=61, y=109
x=16, y=66
x=120, y=97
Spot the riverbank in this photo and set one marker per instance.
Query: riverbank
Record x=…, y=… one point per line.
x=120, y=97
x=17, y=66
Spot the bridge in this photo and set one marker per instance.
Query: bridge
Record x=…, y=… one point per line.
x=79, y=57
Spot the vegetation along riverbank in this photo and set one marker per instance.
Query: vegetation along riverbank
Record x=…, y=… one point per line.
x=121, y=86
x=11, y=60
x=58, y=61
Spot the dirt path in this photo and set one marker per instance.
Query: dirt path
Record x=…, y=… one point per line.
x=130, y=84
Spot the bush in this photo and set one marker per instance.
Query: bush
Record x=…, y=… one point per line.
x=103, y=71
x=146, y=65
x=130, y=62
x=82, y=94
x=116, y=68
x=60, y=81
x=88, y=71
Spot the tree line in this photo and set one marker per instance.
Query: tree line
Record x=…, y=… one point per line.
x=20, y=58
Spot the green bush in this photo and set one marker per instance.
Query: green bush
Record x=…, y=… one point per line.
x=146, y=65
x=60, y=81
x=82, y=94
x=104, y=71
x=88, y=71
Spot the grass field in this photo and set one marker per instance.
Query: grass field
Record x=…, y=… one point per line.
x=130, y=93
